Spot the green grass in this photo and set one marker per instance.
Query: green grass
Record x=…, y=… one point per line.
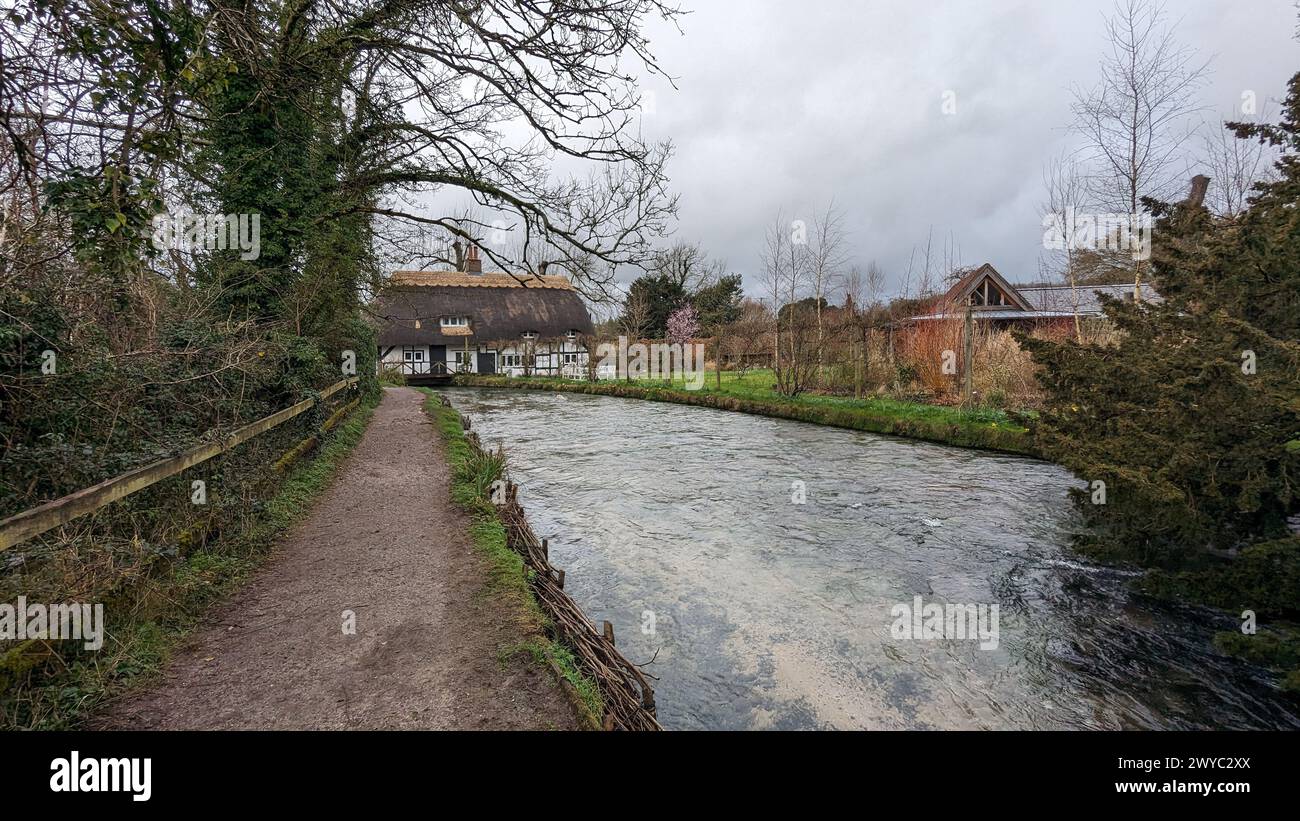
x=758, y=385
x=472, y=475
x=986, y=428
x=163, y=609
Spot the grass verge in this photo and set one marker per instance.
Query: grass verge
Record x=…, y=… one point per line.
x=982, y=428
x=41, y=690
x=472, y=475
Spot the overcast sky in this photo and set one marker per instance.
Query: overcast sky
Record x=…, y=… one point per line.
x=788, y=105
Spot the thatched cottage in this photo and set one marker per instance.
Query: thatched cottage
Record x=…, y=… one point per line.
x=432, y=323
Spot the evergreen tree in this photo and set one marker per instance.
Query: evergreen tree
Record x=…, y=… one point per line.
x=719, y=303
x=661, y=296
x=1192, y=421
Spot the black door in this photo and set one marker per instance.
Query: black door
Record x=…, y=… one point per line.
x=487, y=362
x=438, y=359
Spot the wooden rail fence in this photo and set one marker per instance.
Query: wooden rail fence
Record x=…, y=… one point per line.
x=23, y=526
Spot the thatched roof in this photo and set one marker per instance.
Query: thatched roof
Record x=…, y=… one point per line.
x=499, y=308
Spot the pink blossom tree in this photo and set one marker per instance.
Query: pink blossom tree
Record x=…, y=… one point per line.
x=683, y=325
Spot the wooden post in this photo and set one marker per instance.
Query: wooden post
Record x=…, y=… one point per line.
x=609, y=633
x=560, y=578
x=546, y=549
x=857, y=369
x=968, y=355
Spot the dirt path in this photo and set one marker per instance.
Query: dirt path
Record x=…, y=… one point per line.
x=385, y=542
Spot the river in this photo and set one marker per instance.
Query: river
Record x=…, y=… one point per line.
x=754, y=566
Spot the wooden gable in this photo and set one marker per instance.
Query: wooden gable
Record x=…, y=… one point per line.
x=986, y=289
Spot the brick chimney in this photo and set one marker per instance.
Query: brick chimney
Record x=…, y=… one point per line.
x=1196, y=197
x=473, y=265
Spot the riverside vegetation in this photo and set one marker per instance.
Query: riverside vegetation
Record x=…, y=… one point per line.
x=473, y=474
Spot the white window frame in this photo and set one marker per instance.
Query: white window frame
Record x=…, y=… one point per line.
x=412, y=353
x=569, y=358
x=455, y=322
x=528, y=335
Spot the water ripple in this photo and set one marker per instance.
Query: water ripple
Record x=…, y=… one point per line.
x=771, y=614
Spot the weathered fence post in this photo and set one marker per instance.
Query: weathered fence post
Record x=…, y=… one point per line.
x=968, y=355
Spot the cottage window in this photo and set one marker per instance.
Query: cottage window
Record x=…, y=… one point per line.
x=570, y=359
x=455, y=321
x=571, y=335
x=528, y=335
x=510, y=360
x=412, y=354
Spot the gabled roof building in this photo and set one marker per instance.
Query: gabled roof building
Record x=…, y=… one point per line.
x=991, y=297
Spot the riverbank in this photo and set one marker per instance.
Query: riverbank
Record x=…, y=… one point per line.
x=984, y=429
x=472, y=476
x=375, y=611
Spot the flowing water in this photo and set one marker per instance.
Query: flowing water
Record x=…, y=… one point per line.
x=679, y=525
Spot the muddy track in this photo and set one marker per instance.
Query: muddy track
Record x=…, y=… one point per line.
x=385, y=542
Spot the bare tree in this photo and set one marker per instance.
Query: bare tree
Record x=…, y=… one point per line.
x=745, y=338
x=826, y=260
x=1136, y=119
x=785, y=277
x=1234, y=167
x=420, y=92
x=775, y=241
x=862, y=292
x=687, y=265
x=926, y=277
x=1066, y=195
x=636, y=315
